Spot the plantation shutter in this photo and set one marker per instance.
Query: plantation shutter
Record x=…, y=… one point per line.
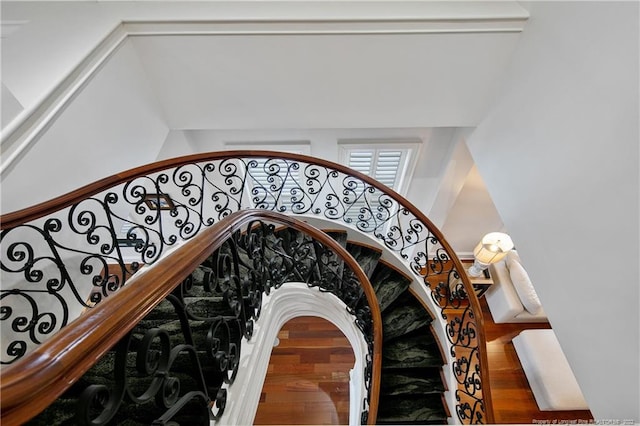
x=384, y=165
x=381, y=164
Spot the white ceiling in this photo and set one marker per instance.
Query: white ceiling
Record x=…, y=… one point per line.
x=405, y=69
x=324, y=81
x=273, y=87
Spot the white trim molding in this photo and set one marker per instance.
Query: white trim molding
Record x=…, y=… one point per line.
x=32, y=122
x=290, y=301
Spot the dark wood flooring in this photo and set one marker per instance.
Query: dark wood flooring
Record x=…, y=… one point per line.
x=308, y=377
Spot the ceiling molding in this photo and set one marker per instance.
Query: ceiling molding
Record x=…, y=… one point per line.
x=31, y=123
x=329, y=26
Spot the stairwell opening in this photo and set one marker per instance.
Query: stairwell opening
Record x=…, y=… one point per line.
x=308, y=377
x=297, y=300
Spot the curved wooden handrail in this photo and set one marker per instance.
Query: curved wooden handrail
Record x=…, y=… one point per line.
x=64, y=358
x=13, y=219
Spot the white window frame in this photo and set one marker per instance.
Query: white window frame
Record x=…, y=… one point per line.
x=410, y=151
x=409, y=147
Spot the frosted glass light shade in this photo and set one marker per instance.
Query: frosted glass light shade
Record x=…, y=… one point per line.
x=493, y=247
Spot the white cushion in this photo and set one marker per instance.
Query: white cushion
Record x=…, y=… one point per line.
x=522, y=284
x=552, y=382
x=501, y=297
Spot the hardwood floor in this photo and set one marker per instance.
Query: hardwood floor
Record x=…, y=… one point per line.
x=513, y=400
x=308, y=377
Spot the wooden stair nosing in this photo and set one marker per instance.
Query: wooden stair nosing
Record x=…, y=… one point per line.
x=445, y=405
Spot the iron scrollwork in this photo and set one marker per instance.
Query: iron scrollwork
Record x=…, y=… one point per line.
x=55, y=267
x=448, y=292
x=78, y=257
x=186, y=352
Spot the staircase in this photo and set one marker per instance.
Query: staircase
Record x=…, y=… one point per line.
x=56, y=253
x=411, y=388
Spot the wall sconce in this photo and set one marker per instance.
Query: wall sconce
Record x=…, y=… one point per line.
x=491, y=249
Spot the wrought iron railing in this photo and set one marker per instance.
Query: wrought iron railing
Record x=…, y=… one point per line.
x=149, y=364
x=81, y=238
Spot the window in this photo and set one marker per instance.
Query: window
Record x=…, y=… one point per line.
x=382, y=165
x=390, y=163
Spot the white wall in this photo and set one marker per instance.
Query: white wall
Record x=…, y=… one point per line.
x=430, y=168
x=114, y=124
x=559, y=155
x=49, y=41
x=176, y=144
x=472, y=215
x=451, y=181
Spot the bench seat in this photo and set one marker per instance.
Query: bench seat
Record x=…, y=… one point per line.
x=550, y=377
